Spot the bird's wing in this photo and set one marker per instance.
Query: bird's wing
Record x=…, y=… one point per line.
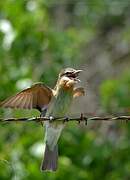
x=78, y=92
x=38, y=96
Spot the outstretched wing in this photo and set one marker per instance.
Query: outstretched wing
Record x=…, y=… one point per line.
x=38, y=96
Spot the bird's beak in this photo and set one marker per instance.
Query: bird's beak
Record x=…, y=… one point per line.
x=76, y=73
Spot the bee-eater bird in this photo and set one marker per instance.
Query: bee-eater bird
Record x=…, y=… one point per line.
x=51, y=103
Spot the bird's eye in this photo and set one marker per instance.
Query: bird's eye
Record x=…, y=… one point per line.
x=67, y=73
x=70, y=74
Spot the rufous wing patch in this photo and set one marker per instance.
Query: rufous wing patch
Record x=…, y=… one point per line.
x=78, y=92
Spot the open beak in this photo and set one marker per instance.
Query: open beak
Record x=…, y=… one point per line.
x=78, y=71
x=76, y=74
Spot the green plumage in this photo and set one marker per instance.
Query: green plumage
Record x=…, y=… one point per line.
x=59, y=106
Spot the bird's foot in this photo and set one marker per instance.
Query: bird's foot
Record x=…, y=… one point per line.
x=66, y=119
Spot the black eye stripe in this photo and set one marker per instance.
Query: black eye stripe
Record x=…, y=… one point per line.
x=67, y=73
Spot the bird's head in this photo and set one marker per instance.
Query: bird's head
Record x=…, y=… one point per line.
x=68, y=78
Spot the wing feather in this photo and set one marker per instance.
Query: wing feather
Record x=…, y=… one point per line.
x=18, y=101
x=28, y=102
x=78, y=92
x=24, y=101
x=38, y=96
x=31, y=102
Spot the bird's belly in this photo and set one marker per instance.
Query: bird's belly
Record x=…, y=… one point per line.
x=58, y=107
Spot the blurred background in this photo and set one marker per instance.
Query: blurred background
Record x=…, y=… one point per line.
x=37, y=39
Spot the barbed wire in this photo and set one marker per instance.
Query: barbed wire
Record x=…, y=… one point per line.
x=79, y=119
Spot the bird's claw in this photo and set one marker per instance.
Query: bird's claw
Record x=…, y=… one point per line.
x=66, y=119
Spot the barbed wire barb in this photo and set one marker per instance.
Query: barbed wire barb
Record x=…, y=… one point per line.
x=79, y=119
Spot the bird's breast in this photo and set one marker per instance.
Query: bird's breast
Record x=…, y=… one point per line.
x=60, y=104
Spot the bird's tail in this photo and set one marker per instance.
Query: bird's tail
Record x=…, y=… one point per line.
x=50, y=159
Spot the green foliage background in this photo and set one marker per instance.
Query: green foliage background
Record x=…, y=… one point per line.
x=37, y=39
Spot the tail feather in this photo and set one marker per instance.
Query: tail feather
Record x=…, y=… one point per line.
x=50, y=159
